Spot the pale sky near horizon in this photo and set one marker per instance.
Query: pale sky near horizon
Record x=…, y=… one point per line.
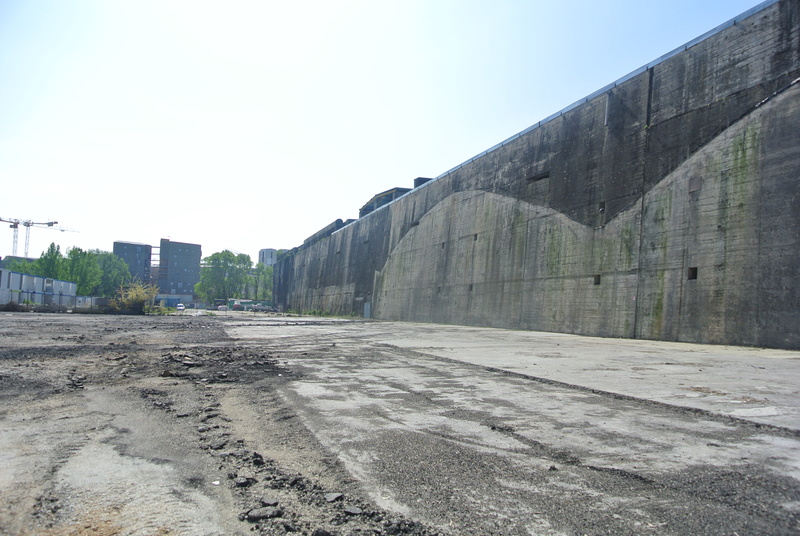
x=244, y=125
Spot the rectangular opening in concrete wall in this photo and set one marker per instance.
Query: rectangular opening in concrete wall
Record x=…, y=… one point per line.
x=442, y=245
x=692, y=273
x=470, y=287
x=597, y=279
x=438, y=290
x=475, y=238
x=539, y=177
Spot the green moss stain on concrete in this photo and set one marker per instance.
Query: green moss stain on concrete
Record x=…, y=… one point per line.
x=657, y=322
x=746, y=149
x=487, y=220
x=627, y=243
x=554, y=247
x=736, y=183
x=613, y=251
x=737, y=204
x=656, y=249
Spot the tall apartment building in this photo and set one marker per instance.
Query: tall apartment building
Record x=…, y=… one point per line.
x=138, y=257
x=268, y=257
x=179, y=267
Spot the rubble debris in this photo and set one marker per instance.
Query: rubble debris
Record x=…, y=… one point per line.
x=258, y=514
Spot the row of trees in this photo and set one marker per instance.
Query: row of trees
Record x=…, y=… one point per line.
x=96, y=273
x=223, y=275
x=227, y=275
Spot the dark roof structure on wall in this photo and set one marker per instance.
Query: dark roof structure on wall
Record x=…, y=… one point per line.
x=381, y=199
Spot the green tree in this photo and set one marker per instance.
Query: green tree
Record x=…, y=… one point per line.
x=81, y=267
x=223, y=275
x=239, y=276
x=114, y=272
x=213, y=277
x=22, y=267
x=51, y=263
x=262, y=282
x=96, y=272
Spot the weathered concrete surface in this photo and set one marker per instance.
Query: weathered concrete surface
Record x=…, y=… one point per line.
x=759, y=385
x=483, y=431
x=755, y=384
x=664, y=208
x=191, y=425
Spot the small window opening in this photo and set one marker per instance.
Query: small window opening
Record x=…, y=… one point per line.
x=442, y=245
x=597, y=279
x=475, y=238
x=539, y=177
x=470, y=287
x=438, y=290
x=692, y=273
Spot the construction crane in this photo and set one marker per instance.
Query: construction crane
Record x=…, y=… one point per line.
x=15, y=223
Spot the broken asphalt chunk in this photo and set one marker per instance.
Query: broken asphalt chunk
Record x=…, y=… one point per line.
x=268, y=500
x=217, y=444
x=257, y=514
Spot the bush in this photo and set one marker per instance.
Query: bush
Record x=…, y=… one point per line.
x=134, y=298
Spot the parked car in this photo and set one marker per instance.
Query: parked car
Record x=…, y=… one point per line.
x=222, y=308
x=180, y=307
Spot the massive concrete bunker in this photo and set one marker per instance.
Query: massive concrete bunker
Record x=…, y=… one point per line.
x=664, y=206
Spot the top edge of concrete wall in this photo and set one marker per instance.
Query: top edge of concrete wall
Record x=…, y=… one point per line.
x=724, y=26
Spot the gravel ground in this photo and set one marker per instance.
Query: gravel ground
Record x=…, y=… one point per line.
x=159, y=426
x=259, y=424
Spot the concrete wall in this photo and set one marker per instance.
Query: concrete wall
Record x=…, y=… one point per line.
x=663, y=207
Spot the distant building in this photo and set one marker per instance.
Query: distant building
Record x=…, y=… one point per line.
x=11, y=258
x=138, y=257
x=178, y=270
x=268, y=257
x=174, y=267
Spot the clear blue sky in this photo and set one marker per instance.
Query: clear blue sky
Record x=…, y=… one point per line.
x=247, y=125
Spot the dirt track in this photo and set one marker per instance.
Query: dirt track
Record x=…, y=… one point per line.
x=246, y=424
x=159, y=425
